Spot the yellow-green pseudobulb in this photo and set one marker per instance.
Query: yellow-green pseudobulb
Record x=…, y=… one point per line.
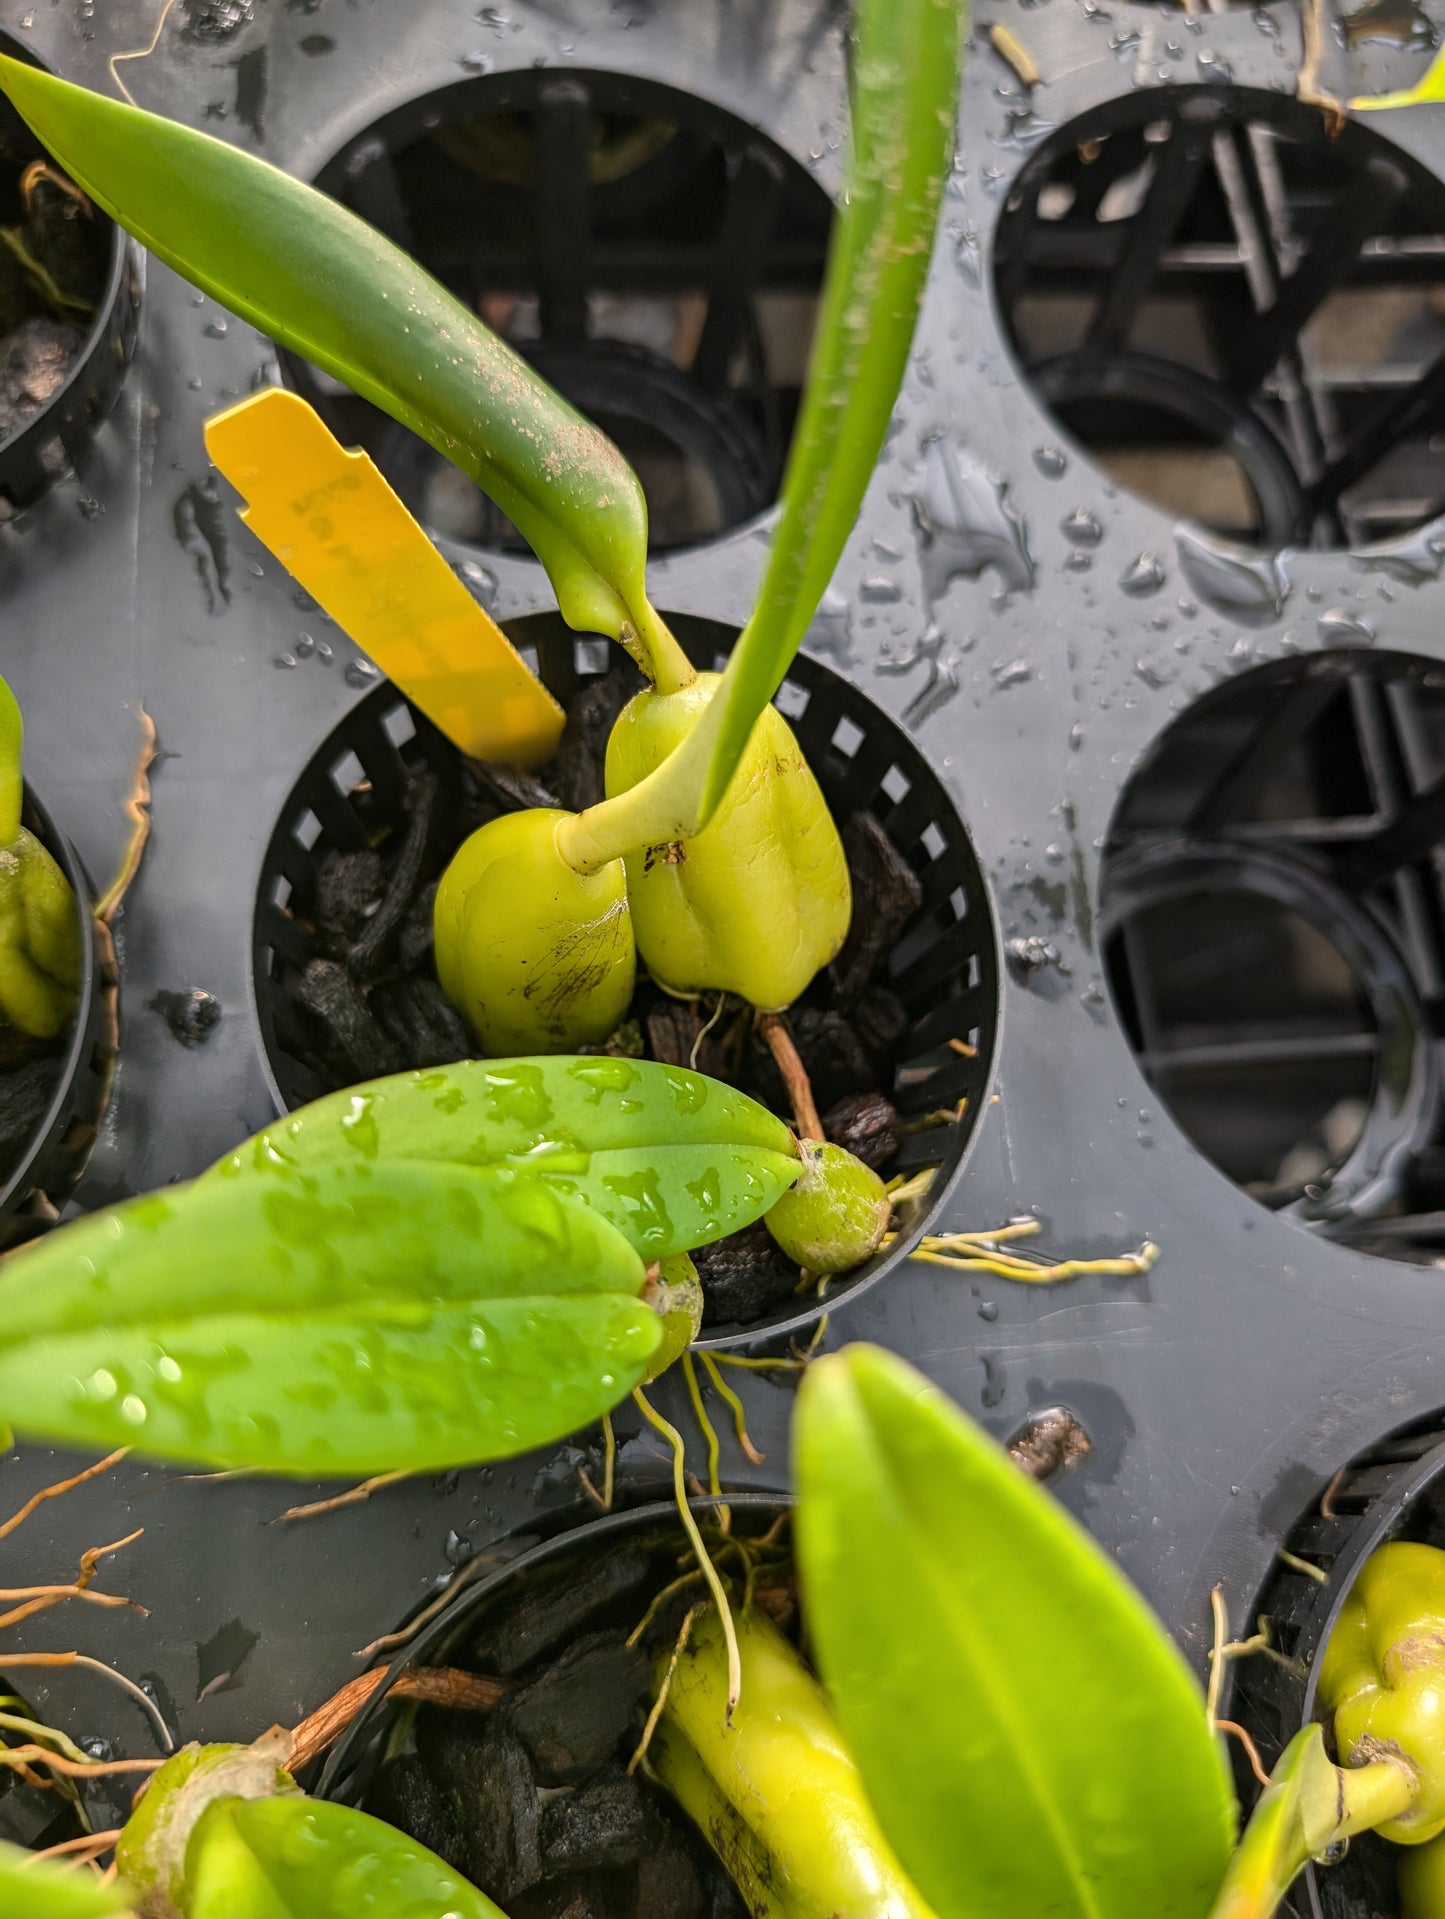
x=536, y=958
x=836, y=1212
x=1381, y=1675
x=774, y=1788
x=1422, y=1881
x=759, y=900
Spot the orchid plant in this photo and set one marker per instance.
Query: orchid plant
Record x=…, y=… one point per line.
x=713, y=855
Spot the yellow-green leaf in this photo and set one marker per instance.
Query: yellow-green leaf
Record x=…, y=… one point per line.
x=346, y=1319
x=1032, y=1741
x=321, y=281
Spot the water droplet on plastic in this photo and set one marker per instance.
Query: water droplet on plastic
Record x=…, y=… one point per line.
x=1078, y=561
x=1081, y=528
x=480, y=581
x=1412, y=562
x=1010, y=672
x=966, y=254
x=361, y=672
x=880, y=590
x=1336, y=627
x=285, y=660
x=1022, y=129
x=216, y=329
x=477, y=62
x=1251, y=587
x=1143, y=576
x=968, y=522
x=1051, y=461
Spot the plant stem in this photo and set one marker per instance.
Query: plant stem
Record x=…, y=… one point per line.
x=774, y=1029
x=651, y=643
x=1373, y=1794
x=1309, y=1805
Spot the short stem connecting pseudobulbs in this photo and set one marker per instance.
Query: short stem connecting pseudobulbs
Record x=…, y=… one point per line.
x=650, y=642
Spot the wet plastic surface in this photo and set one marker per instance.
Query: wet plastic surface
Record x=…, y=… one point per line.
x=1222, y=1392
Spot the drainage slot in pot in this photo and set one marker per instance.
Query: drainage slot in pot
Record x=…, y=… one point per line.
x=69, y=295
x=657, y=259
x=1396, y=1490
x=1241, y=318
x=914, y=1021
x=1274, y=927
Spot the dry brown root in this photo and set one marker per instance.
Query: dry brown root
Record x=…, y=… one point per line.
x=41, y=1598
x=61, y=1486
x=443, y=1686
x=356, y=1496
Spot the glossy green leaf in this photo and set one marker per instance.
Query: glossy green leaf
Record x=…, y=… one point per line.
x=324, y=283
x=1029, y=1736
x=671, y=1158
x=310, y=1859
x=36, y=1889
x=905, y=79
x=346, y=1319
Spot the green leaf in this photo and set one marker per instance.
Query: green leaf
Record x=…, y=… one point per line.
x=1029, y=1736
x=33, y=1888
x=905, y=73
x=345, y=1319
x=322, y=282
x=671, y=1158
x=310, y=1859
x=905, y=79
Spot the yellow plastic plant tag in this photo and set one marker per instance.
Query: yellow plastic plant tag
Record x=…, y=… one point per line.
x=1427, y=92
x=338, y=528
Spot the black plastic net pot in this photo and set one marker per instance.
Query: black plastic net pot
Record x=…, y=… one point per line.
x=1396, y=1490
x=531, y=1799
x=51, y=1098
x=655, y=258
x=64, y=349
x=386, y=800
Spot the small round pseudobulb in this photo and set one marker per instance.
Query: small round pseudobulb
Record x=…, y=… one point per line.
x=835, y=1214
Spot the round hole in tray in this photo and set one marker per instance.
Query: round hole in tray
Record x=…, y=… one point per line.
x=596, y=1579
x=1274, y=925
x=655, y=257
x=64, y=1087
x=939, y=983
x=1227, y=308
x=60, y=370
x=1395, y=1490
